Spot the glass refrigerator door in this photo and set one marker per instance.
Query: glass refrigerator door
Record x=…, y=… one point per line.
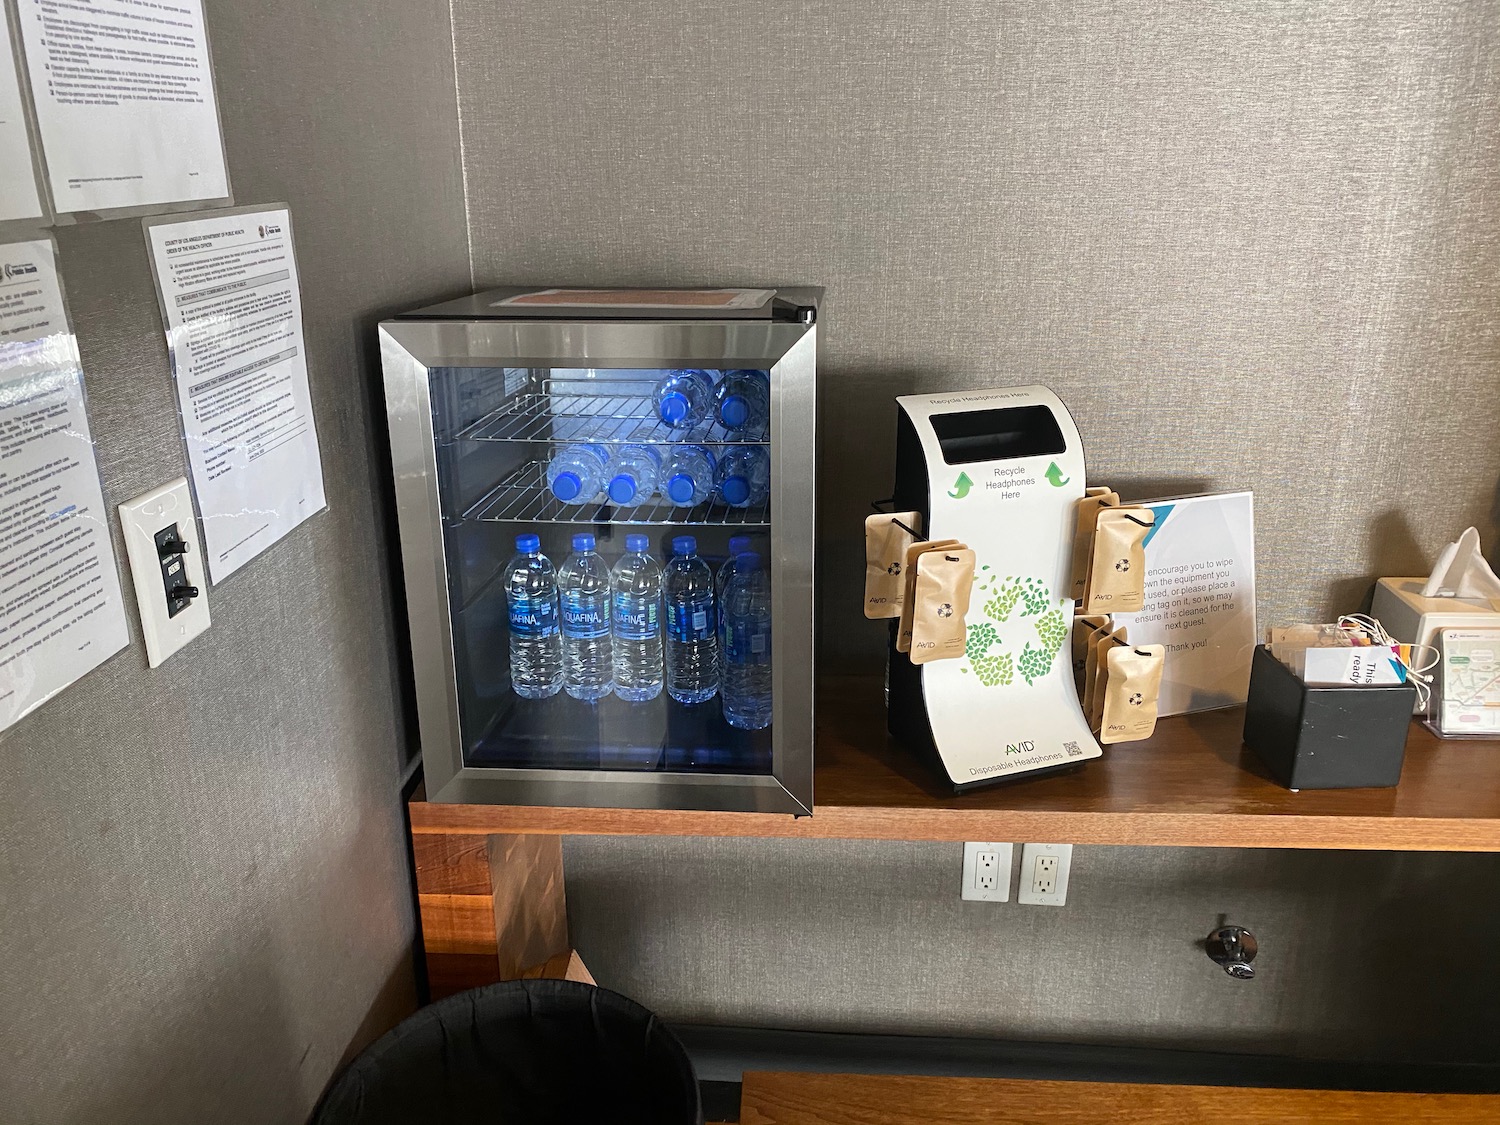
x=607, y=537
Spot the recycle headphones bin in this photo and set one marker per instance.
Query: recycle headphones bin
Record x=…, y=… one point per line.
x=1001, y=471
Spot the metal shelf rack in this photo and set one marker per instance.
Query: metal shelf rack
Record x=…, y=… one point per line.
x=601, y=418
x=522, y=496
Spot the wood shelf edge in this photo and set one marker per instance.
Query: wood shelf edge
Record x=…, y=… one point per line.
x=1141, y=829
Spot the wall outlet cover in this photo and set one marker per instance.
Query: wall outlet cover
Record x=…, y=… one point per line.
x=141, y=520
x=987, y=872
x=1044, y=874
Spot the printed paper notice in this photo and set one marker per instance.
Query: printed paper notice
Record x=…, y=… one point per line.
x=18, y=198
x=125, y=102
x=61, y=614
x=1200, y=599
x=233, y=309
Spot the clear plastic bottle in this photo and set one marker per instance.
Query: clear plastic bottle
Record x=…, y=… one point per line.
x=687, y=475
x=536, y=665
x=635, y=615
x=747, y=653
x=742, y=402
x=744, y=476
x=684, y=398
x=577, y=473
x=738, y=545
x=637, y=469
x=692, y=639
x=583, y=585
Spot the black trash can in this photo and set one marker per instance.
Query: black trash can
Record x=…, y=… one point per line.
x=532, y=1052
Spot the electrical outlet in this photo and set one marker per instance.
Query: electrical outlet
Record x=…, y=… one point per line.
x=987, y=872
x=1044, y=874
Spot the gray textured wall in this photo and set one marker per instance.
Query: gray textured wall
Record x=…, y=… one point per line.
x=1250, y=245
x=203, y=883
x=1363, y=954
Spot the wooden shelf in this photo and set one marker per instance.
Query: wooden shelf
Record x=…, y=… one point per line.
x=1191, y=785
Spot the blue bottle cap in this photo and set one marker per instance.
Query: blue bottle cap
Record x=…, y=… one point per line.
x=739, y=544
x=583, y=542
x=622, y=489
x=638, y=543
x=528, y=544
x=735, y=490
x=684, y=545
x=673, y=407
x=734, y=411
x=746, y=562
x=680, y=489
x=567, y=486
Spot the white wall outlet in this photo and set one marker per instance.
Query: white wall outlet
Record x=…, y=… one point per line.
x=166, y=563
x=1044, y=874
x=987, y=872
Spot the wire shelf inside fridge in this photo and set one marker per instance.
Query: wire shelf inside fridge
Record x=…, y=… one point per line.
x=607, y=419
x=522, y=496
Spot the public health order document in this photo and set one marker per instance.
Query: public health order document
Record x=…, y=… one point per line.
x=18, y=198
x=125, y=102
x=233, y=310
x=61, y=614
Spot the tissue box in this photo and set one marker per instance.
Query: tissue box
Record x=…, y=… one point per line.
x=1326, y=737
x=1415, y=620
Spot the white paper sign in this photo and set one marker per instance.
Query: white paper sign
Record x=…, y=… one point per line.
x=233, y=310
x=1200, y=600
x=125, y=102
x=61, y=614
x=18, y=198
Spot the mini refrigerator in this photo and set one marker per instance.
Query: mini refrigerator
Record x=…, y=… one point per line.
x=606, y=502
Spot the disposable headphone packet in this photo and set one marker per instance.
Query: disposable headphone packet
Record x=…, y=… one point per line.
x=945, y=579
x=909, y=577
x=887, y=536
x=1117, y=572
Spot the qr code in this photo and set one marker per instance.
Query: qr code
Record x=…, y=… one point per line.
x=1073, y=749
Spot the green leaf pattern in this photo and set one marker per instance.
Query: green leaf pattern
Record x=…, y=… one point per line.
x=1037, y=654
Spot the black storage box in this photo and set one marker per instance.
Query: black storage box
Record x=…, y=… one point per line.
x=1326, y=737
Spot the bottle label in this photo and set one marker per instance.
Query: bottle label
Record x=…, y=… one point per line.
x=584, y=617
x=693, y=621
x=533, y=617
x=748, y=643
x=635, y=621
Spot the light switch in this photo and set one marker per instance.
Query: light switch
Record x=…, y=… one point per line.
x=166, y=563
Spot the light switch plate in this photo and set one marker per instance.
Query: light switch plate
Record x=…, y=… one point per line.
x=141, y=519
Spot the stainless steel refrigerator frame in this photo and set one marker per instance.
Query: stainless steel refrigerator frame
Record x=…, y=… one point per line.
x=411, y=348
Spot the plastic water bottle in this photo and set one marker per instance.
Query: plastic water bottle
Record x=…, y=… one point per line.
x=738, y=545
x=576, y=473
x=536, y=664
x=747, y=653
x=744, y=476
x=635, y=613
x=684, y=398
x=692, y=640
x=742, y=402
x=583, y=582
x=687, y=475
x=636, y=471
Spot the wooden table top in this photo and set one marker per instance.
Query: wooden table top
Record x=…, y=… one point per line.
x=883, y=1099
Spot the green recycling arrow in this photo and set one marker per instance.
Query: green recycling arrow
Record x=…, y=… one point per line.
x=1055, y=477
x=961, y=486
